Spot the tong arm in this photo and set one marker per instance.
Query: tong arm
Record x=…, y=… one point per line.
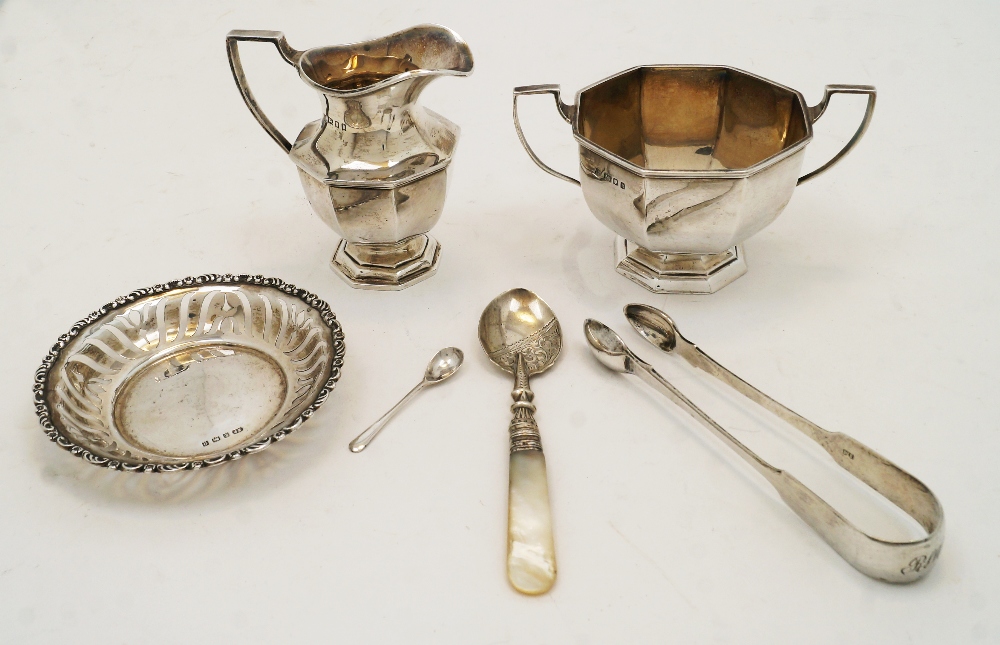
x=651, y=377
x=898, y=562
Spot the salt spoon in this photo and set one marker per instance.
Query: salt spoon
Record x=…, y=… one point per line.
x=444, y=364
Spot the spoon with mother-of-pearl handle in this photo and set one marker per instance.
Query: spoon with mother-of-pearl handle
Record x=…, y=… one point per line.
x=521, y=336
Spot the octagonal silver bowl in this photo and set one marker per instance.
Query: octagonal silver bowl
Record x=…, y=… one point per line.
x=685, y=162
x=189, y=374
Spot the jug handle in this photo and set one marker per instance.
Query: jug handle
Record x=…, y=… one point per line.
x=816, y=111
x=288, y=54
x=567, y=112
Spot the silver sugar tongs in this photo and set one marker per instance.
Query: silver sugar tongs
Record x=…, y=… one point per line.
x=898, y=562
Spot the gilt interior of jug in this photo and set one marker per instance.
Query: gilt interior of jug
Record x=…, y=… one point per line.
x=691, y=118
x=427, y=49
x=356, y=72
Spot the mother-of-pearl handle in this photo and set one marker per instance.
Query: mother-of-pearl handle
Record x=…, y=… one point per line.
x=531, y=553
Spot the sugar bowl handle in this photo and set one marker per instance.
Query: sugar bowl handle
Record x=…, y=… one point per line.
x=567, y=112
x=289, y=55
x=816, y=111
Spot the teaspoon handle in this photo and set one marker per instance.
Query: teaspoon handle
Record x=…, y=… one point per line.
x=531, y=554
x=362, y=440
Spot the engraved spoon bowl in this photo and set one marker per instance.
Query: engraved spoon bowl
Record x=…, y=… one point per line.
x=519, y=322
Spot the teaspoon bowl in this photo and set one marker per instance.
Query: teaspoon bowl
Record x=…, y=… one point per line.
x=444, y=364
x=519, y=322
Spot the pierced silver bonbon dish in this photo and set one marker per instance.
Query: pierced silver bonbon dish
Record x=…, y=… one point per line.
x=189, y=374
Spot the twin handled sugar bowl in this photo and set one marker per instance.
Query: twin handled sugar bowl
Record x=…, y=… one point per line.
x=374, y=167
x=685, y=162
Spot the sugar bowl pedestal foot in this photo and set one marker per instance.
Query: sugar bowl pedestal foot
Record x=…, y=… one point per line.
x=678, y=272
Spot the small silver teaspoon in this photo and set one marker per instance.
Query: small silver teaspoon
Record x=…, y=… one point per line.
x=444, y=364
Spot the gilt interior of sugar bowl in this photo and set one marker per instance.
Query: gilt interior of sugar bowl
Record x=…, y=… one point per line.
x=701, y=118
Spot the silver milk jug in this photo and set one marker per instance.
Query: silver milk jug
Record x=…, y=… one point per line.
x=374, y=167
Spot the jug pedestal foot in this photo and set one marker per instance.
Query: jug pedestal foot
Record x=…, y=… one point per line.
x=387, y=267
x=678, y=272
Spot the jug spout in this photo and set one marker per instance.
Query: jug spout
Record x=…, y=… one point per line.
x=373, y=131
x=368, y=67
x=394, y=68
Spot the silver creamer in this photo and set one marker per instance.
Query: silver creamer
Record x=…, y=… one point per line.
x=374, y=166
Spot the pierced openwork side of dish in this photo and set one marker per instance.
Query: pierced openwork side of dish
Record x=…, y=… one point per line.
x=190, y=373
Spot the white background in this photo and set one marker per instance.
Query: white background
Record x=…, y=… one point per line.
x=129, y=159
